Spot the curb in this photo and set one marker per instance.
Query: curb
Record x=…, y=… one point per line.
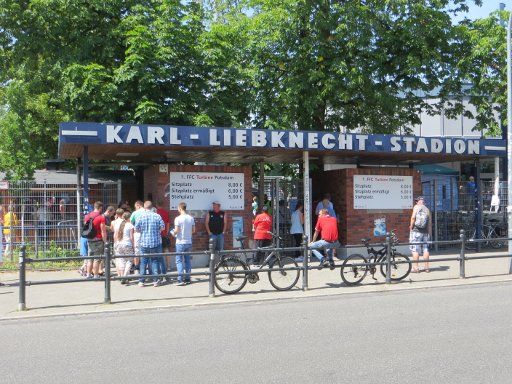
x=385, y=289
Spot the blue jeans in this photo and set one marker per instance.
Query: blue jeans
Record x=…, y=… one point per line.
x=144, y=261
x=218, y=241
x=322, y=244
x=183, y=263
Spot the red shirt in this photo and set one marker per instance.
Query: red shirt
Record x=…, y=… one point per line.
x=165, y=218
x=96, y=223
x=328, y=225
x=262, y=225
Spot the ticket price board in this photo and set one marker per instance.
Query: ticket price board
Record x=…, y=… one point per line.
x=382, y=192
x=200, y=189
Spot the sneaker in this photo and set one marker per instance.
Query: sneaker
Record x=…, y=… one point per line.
x=323, y=263
x=156, y=283
x=123, y=282
x=255, y=266
x=181, y=283
x=96, y=276
x=141, y=284
x=332, y=266
x=188, y=282
x=88, y=277
x=299, y=259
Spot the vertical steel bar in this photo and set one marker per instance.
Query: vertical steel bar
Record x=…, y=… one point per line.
x=106, y=253
x=436, y=196
x=22, y=279
x=307, y=197
x=78, y=204
x=86, y=177
x=388, y=258
x=462, y=261
x=47, y=216
x=305, y=268
x=211, y=285
x=509, y=138
x=479, y=205
x=119, y=191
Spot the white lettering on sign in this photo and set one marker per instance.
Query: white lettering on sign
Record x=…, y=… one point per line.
x=473, y=147
x=296, y=140
x=313, y=140
x=345, y=141
x=328, y=141
x=408, y=143
x=437, y=145
x=241, y=138
x=134, y=134
x=459, y=146
x=276, y=139
x=258, y=138
x=113, y=134
x=362, y=141
x=155, y=134
x=213, y=137
x=173, y=136
x=382, y=192
x=227, y=137
x=395, y=145
x=200, y=189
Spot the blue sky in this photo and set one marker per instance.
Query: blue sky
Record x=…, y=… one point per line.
x=488, y=6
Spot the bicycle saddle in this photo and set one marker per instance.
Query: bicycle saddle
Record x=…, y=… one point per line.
x=493, y=220
x=367, y=240
x=240, y=238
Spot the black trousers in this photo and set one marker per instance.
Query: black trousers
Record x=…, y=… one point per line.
x=260, y=255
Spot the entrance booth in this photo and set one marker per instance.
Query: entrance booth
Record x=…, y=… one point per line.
x=371, y=178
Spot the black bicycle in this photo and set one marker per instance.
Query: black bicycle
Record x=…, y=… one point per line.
x=355, y=267
x=236, y=272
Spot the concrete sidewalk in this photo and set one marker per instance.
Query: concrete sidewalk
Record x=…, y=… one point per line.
x=87, y=297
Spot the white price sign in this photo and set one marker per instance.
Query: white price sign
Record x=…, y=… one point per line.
x=382, y=192
x=200, y=189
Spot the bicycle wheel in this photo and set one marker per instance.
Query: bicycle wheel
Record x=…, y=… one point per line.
x=469, y=244
x=351, y=273
x=400, y=266
x=494, y=240
x=283, y=280
x=233, y=281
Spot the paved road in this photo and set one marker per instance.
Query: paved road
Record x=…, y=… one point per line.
x=443, y=335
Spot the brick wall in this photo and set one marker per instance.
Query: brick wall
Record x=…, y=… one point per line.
x=356, y=224
x=155, y=183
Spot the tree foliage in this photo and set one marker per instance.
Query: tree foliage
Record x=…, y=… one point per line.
x=287, y=64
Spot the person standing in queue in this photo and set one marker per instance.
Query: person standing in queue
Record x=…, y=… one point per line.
x=420, y=226
x=262, y=227
x=184, y=228
x=216, y=223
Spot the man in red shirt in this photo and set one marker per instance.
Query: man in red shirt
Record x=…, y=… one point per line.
x=262, y=226
x=96, y=245
x=165, y=261
x=328, y=227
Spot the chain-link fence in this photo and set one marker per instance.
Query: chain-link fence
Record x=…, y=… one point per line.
x=46, y=217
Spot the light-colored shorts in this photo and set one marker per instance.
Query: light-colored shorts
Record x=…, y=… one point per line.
x=418, y=237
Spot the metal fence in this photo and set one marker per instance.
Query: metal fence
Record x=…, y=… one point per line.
x=214, y=272
x=454, y=203
x=46, y=217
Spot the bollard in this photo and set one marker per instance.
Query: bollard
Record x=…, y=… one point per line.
x=388, y=258
x=211, y=285
x=305, y=245
x=22, y=282
x=107, y=274
x=462, y=261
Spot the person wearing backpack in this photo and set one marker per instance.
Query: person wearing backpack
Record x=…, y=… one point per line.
x=95, y=231
x=420, y=227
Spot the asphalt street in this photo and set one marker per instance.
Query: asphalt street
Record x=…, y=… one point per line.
x=443, y=335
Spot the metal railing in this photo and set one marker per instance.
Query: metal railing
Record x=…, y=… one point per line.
x=213, y=255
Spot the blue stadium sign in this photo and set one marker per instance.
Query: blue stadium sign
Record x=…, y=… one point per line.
x=205, y=137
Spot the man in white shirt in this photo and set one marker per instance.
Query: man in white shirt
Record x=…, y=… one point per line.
x=184, y=227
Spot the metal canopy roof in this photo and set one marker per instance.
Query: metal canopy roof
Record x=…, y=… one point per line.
x=158, y=143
